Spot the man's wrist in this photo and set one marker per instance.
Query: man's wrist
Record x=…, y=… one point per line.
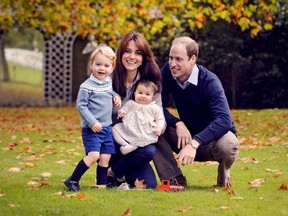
x=194, y=143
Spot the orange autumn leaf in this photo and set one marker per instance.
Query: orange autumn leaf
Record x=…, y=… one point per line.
x=139, y=184
x=127, y=212
x=81, y=196
x=283, y=186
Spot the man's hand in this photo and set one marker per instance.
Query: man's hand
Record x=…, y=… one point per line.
x=183, y=134
x=186, y=155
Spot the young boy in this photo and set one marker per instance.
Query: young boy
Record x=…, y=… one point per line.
x=95, y=102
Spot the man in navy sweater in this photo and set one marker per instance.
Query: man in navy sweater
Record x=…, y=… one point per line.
x=204, y=130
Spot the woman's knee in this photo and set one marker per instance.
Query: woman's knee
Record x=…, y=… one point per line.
x=149, y=151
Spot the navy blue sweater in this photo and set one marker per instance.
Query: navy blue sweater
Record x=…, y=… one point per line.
x=203, y=108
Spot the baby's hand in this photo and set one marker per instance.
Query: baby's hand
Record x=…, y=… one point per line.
x=97, y=127
x=117, y=101
x=157, y=132
x=121, y=113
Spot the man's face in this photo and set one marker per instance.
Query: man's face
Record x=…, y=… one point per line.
x=180, y=64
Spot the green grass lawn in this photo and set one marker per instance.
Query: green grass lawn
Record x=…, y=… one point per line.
x=25, y=87
x=40, y=147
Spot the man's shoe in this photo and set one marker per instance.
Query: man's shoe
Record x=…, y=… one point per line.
x=179, y=180
x=223, y=178
x=112, y=182
x=72, y=185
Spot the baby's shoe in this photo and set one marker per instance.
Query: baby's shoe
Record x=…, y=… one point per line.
x=127, y=149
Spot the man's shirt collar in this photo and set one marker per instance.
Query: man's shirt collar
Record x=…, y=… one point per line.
x=193, y=78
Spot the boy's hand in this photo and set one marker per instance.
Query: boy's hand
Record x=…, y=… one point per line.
x=97, y=127
x=117, y=101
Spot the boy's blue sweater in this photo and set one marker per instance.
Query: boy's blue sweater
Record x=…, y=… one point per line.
x=95, y=102
x=203, y=108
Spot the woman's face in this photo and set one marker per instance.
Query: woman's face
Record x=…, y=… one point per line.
x=132, y=57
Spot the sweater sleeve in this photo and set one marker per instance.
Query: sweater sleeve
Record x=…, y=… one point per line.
x=220, y=112
x=165, y=94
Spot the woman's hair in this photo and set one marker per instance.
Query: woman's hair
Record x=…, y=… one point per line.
x=106, y=50
x=148, y=70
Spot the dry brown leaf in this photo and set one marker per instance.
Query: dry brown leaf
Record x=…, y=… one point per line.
x=186, y=209
x=71, y=195
x=256, y=182
x=62, y=162
x=1, y=195
x=14, y=169
x=60, y=193
x=46, y=174
x=273, y=171
x=30, y=165
x=127, y=212
x=139, y=184
x=215, y=190
x=32, y=183
x=30, y=158
x=223, y=207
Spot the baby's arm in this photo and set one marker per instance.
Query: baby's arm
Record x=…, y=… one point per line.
x=121, y=113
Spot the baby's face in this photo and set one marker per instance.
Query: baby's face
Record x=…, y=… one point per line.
x=143, y=94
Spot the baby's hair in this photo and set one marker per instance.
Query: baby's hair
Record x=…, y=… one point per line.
x=106, y=50
x=147, y=83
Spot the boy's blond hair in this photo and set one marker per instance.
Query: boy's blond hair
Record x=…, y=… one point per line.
x=106, y=50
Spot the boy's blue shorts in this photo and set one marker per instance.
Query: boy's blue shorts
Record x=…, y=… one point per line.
x=100, y=141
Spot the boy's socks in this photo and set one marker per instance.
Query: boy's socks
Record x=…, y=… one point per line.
x=101, y=175
x=80, y=169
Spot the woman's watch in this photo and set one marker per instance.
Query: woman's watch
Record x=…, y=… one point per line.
x=194, y=143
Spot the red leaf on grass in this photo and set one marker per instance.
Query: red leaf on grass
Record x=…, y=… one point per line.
x=283, y=186
x=139, y=184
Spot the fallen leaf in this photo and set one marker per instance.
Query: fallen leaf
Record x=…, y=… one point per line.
x=139, y=184
x=60, y=193
x=30, y=165
x=32, y=183
x=63, y=162
x=14, y=169
x=81, y=196
x=127, y=212
x=188, y=208
x=71, y=195
x=272, y=171
x=46, y=174
x=256, y=183
x=30, y=158
x=283, y=186
x=1, y=195
x=223, y=207
x=215, y=190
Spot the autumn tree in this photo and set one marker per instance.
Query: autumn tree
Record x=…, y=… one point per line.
x=158, y=20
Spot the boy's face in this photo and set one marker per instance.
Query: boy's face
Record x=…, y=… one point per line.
x=101, y=67
x=143, y=94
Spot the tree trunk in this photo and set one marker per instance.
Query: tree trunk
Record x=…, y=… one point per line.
x=4, y=73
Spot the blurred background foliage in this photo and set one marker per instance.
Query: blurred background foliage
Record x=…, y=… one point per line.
x=244, y=42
